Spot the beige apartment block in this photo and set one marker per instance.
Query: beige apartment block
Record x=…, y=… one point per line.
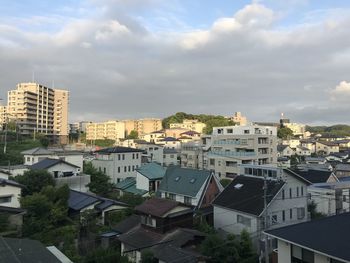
x=297, y=128
x=239, y=119
x=34, y=108
x=229, y=147
x=113, y=130
x=143, y=126
x=175, y=132
x=192, y=125
x=3, y=111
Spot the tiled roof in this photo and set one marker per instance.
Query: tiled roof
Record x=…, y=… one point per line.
x=118, y=149
x=156, y=206
x=246, y=194
x=15, y=250
x=47, y=163
x=183, y=181
x=152, y=171
x=324, y=235
x=37, y=151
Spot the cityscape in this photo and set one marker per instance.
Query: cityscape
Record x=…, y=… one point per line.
x=158, y=164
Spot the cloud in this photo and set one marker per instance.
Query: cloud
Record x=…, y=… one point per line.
x=341, y=92
x=116, y=67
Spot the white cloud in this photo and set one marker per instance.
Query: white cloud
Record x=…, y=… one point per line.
x=341, y=92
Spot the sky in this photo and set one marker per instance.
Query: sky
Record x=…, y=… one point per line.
x=125, y=59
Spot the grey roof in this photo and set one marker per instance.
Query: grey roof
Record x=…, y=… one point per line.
x=37, y=151
x=118, y=149
x=152, y=171
x=183, y=181
x=48, y=162
x=15, y=250
x=127, y=224
x=324, y=235
x=342, y=167
x=246, y=194
x=314, y=176
x=139, y=238
x=4, y=182
x=281, y=147
x=169, y=139
x=314, y=159
x=79, y=200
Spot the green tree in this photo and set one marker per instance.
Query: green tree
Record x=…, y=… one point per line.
x=11, y=126
x=133, y=135
x=312, y=208
x=284, y=133
x=216, y=122
x=34, y=181
x=147, y=256
x=100, y=182
x=245, y=249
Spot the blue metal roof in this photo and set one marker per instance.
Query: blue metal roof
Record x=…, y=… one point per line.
x=152, y=171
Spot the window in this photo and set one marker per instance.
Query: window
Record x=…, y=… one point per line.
x=125, y=169
x=118, y=169
x=133, y=156
x=137, y=156
x=28, y=159
x=148, y=220
x=301, y=212
x=123, y=156
x=283, y=216
x=187, y=200
x=302, y=190
x=172, y=196
x=133, y=167
x=283, y=194
x=300, y=255
x=5, y=199
x=118, y=157
x=129, y=168
x=291, y=213
x=212, y=161
x=171, y=155
x=244, y=220
x=297, y=191
x=274, y=220
x=290, y=192
x=104, y=170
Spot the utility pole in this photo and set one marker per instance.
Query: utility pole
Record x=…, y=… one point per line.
x=265, y=220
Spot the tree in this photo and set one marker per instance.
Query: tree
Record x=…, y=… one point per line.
x=245, y=249
x=284, y=133
x=147, y=256
x=312, y=208
x=133, y=135
x=100, y=182
x=34, y=181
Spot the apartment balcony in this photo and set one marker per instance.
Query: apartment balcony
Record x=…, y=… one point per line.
x=232, y=154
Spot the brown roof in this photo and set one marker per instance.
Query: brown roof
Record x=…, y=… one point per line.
x=156, y=206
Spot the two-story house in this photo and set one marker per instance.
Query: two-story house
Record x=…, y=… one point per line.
x=118, y=162
x=242, y=203
x=149, y=177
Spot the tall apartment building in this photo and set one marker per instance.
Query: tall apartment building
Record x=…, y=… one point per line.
x=143, y=126
x=192, y=125
x=3, y=111
x=113, y=130
x=36, y=108
x=229, y=147
x=239, y=119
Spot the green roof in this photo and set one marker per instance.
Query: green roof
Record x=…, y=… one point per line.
x=133, y=190
x=126, y=183
x=152, y=171
x=183, y=181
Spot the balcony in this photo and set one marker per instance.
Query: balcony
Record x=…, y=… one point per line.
x=232, y=154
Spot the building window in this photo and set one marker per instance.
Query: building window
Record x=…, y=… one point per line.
x=212, y=161
x=283, y=194
x=291, y=213
x=133, y=167
x=118, y=157
x=28, y=159
x=290, y=192
x=274, y=220
x=244, y=220
x=137, y=156
x=148, y=220
x=5, y=199
x=283, y=216
x=301, y=212
x=297, y=191
x=172, y=197
x=302, y=190
x=125, y=169
x=104, y=170
x=123, y=156
x=302, y=255
x=133, y=156
x=129, y=168
x=187, y=200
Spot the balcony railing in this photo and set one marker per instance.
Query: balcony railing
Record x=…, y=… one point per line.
x=232, y=154
x=225, y=142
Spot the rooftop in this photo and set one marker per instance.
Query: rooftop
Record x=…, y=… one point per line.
x=321, y=235
x=37, y=151
x=157, y=206
x=48, y=162
x=152, y=171
x=118, y=149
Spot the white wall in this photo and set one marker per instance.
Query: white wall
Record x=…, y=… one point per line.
x=62, y=167
x=284, y=252
x=142, y=182
x=14, y=192
x=74, y=159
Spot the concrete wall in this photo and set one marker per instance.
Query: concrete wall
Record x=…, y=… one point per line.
x=61, y=168
x=284, y=252
x=14, y=192
x=142, y=182
x=78, y=183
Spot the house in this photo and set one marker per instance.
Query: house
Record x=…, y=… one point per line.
x=37, y=154
x=128, y=185
x=170, y=143
x=79, y=202
x=118, y=162
x=317, y=176
x=302, y=151
x=161, y=225
x=326, y=147
x=14, y=170
x=283, y=162
x=241, y=204
x=337, y=157
x=196, y=188
x=284, y=151
x=330, y=198
x=315, y=160
x=342, y=170
x=153, y=137
x=306, y=242
x=149, y=176
x=292, y=143
x=29, y=251
x=151, y=152
x=170, y=157
x=56, y=167
x=192, y=155
x=308, y=143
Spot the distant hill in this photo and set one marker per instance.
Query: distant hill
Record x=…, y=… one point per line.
x=339, y=129
x=210, y=120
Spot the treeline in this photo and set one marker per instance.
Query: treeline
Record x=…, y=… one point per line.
x=340, y=130
x=210, y=120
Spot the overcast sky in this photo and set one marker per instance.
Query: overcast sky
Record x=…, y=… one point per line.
x=151, y=58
